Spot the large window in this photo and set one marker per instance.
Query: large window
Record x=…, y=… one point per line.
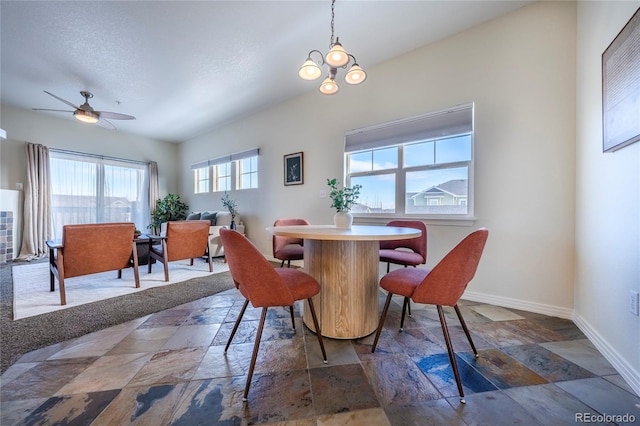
x=89, y=189
x=418, y=167
x=235, y=171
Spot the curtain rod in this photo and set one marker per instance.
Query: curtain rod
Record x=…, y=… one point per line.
x=102, y=157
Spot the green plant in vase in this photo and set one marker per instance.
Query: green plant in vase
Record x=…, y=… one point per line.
x=232, y=206
x=343, y=199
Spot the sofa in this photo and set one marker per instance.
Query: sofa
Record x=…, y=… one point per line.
x=219, y=219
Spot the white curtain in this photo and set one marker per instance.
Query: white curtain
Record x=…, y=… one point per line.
x=37, y=204
x=154, y=188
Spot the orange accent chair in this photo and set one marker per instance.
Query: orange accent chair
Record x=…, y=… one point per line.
x=185, y=239
x=441, y=286
x=265, y=286
x=92, y=248
x=287, y=248
x=410, y=252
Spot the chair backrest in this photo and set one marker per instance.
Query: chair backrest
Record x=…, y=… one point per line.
x=97, y=247
x=255, y=277
x=279, y=242
x=418, y=244
x=187, y=239
x=447, y=281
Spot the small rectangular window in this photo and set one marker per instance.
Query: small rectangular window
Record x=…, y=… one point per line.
x=248, y=172
x=201, y=180
x=222, y=173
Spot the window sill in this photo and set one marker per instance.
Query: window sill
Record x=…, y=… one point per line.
x=382, y=220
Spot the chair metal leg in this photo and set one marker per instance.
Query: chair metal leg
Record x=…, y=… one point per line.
x=409, y=306
x=466, y=330
x=452, y=354
x=404, y=310
x=381, y=323
x=388, y=266
x=293, y=322
x=256, y=346
x=317, y=327
x=235, y=326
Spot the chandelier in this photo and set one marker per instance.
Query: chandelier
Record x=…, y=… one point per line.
x=335, y=58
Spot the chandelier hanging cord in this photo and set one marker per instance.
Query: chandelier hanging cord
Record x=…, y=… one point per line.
x=333, y=20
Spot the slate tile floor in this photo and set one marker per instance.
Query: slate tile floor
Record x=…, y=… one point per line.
x=169, y=369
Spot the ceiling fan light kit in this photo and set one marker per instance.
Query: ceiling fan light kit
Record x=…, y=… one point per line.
x=87, y=114
x=336, y=57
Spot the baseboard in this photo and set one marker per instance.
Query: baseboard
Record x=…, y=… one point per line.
x=625, y=370
x=540, y=308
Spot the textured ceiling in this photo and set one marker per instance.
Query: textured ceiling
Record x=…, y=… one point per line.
x=185, y=67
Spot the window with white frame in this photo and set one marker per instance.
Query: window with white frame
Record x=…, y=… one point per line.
x=417, y=167
x=201, y=180
x=247, y=172
x=230, y=172
x=222, y=180
x=92, y=189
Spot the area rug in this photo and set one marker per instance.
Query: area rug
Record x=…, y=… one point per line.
x=31, y=286
x=27, y=334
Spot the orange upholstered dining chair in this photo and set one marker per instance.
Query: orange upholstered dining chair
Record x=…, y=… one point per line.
x=265, y=286
x=185, y=239
x=286, y=248
x=409, y=252
x=91, y=248
x=441, y=286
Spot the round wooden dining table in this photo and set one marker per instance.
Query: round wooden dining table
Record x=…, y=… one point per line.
x=346, y=264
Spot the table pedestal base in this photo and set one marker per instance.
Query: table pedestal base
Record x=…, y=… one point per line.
x=347, y=305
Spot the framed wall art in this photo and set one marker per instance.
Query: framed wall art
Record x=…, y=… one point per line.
x=621, y=88
x=293, y=169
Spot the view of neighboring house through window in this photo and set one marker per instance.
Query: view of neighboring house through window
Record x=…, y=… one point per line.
x=89, y=189
x=230, y=172
x=418, y=167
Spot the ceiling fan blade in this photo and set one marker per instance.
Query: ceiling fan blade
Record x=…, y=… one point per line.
x=47, y=109
x=106, y=124
x=114, y=115
x=62, y=100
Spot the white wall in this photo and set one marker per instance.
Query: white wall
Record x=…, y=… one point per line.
x=29, y=126
x=607, y=203
x=520, y=72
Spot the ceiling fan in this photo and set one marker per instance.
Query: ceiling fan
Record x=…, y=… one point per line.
x=87, y=114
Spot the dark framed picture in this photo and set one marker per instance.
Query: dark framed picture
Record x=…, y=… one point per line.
x=621, y=88
x=293, y=173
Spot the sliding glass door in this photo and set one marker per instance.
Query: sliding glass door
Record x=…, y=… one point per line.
x=89, y=189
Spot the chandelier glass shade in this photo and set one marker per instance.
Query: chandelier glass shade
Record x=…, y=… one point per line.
x=336, y=57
